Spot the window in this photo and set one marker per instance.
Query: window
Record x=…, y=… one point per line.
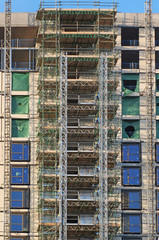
x=20, y=175
x=157, y=223
x=19, y=198
x=131, y=176
x=131, y=152
x=157, y=176
x=131, y=199
x=20, y=152
x=131, y=238
x=25, y=238
x=19, y=222
x=132, y=223
x=157, y=197
x=157, y=153
x=72, y=219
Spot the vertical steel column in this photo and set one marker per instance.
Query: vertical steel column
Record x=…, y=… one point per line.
x=103, y=147
x=7, y=123
x=63, y=147
x=150, y=121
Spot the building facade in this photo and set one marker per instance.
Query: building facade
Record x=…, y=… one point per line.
x=73, y=171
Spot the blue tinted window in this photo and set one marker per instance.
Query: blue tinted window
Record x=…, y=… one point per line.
x=19, y=199
x=131, y=176
x=134, y=200
x=20, y=175
x=157, y=153
x=157, y=176
x=131, y=152
x=16, y=223
x=131, y=199
x=19, y=222
x=132, y=223
x=20, y=152
x=16, y=199
x=157, y=200
x=158, y=223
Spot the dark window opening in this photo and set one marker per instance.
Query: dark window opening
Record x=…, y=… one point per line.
x=72, y=219
x=130, y=84
x=157, y=84
x=130, y=36
x=156, y=36
x=130, y=131
x=72, y=171
x=72, y=101
x=72, y=147
x=130, y=59
x=157, y=59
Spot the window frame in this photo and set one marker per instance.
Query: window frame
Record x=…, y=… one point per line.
x=157, y=144
x=140, y=176
x=21, y=238
x=23, y=143
x=123, y=199
x=20, y=166
x=157, y=184
x=131, y=238
x=157, y=222
x=22, y=224
x=122, y=154
x=131, y=214
x=23, y=197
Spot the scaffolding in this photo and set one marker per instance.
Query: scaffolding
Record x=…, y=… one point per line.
x=77, y=121
x=150, y=121
x=7, y=124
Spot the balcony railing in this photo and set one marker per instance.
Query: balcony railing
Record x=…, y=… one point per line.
x=133, y=42
x=20, y=43
x=130, y=65
x=23, y=66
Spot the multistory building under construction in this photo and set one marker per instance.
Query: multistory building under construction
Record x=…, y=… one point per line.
x=79, y=123
x=59, y=122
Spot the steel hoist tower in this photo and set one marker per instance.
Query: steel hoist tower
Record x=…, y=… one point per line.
x=7, y=120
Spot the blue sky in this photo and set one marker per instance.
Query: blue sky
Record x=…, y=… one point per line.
x=124, y=5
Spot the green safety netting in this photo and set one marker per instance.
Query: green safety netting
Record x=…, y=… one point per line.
x=157, y=106
x=20, y=128
x=157, y=82
x=20, y=104
x=130, y=105
x=130, y=83
x=131, y=129
x=20, y=82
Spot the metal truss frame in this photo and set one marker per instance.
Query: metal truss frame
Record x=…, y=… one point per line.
x=7, y=120
x=103, y=146
x=63, y=147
